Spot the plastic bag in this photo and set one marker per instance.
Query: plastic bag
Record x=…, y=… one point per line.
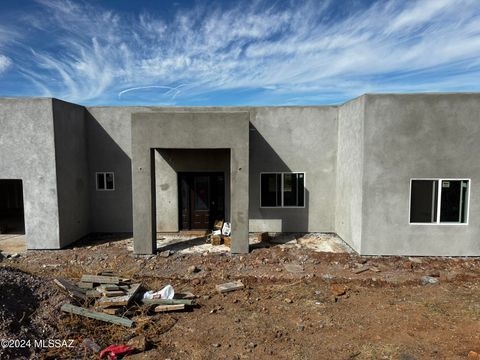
x=166, y=293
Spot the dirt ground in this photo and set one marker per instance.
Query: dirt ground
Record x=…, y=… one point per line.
x=291, y=307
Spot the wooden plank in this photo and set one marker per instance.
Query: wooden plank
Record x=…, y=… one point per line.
x=100, y=279
x=69, y=308
x=108, y=287
x=119, y=300
x=168, y=302
x=71, y=289
x=362, y=269
x=115, y=293
x=231, y=286
x=112, y=311
x=166, y=308
x=85, y=285
x=93, y=293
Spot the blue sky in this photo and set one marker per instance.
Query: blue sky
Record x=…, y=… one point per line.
x=236, y=52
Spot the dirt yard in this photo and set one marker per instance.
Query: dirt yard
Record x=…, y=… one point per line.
x=298, y=303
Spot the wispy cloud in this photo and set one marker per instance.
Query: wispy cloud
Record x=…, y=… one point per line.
x=289, y=52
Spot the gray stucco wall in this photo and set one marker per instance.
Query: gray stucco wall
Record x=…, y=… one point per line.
x=415, y=136
x=298, y=139
x=72, y=170
x=174, y=131
x=349, y=189
x=27, y=152
x=109, y=149
x=168, y=163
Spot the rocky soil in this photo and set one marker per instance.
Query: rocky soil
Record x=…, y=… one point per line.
x=297, y=304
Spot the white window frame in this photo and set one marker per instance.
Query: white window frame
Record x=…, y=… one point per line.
x=439, y=202
x=282, y=173
x=104, y=173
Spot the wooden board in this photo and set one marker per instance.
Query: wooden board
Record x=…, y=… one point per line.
x=112, y=311
x=93, y=293
x=85, y=285
x=119, y=300
x=109, y=287
x=166, y=308
x=231, y=286
x=69, y=308
x=100, y=279
x=71, y=289
x=168, y=301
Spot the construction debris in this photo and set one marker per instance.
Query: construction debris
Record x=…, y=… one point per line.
x=167, y=308
x=69, y=308
x=72, y=290
x=231, y=286
x=168, y=302
x=100, y=279
x=166, y=293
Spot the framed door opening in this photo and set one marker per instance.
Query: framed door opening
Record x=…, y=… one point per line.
x=201, y=198
x=12, y=215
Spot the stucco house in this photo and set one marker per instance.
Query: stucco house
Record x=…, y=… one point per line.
x=391, y=174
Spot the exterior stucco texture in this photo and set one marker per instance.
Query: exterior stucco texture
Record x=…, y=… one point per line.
x=358, y=159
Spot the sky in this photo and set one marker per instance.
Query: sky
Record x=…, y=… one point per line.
x=199, y=53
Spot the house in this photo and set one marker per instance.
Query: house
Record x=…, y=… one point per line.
x=391, y=174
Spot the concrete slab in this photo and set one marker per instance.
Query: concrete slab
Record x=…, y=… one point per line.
x=195, y=243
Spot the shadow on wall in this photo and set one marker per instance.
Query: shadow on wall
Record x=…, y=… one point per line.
x=263, y=158
x=110, y=211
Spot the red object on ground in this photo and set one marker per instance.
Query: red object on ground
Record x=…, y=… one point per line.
x=115, y=350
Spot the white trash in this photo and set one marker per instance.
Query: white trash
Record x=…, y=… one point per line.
x=166, y=293
x=226, y=229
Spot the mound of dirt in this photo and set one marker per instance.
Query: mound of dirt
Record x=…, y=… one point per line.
x=29, y=309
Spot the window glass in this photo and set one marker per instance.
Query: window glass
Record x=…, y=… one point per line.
x=423, y=201
x=109, y=181
x=101, y=181
x=201, y=192
x=426, y=195
x=286, y=186
x=270, y=189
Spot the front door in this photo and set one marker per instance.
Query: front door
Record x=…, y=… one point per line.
x=202, y=199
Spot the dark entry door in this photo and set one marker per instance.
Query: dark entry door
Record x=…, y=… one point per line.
x=202, y=199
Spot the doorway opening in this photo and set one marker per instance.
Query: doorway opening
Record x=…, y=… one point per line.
x=12, y=218
x=201, y=199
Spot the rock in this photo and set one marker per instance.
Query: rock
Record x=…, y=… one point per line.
x=327, y=277
x=288, y=301
x=300, y=327
x=216, y=345
x=165, y=253
x=15, y=255
x=473, y=355
x=193, y=269
x=434, y=273
x=196, y=281
x=426, y=280
x=293, y=268
x=138, y=343
x=338, y=290
x=205, y=297
x=252, y=345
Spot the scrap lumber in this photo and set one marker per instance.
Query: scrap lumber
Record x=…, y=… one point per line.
x=119, y=300
x=168, y=302
x=71, y=289
x=114, y=293
x=167, y=308
x=361, y=269
x=108, y=287
x=85, y=285
x=101, y=279
x=231, y=286
x=69, y=308
x=112, y=311
x=93, y=293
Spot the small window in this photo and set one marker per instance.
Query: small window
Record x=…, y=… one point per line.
x=439, y=201
x=105, y=181
x=282, y=190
